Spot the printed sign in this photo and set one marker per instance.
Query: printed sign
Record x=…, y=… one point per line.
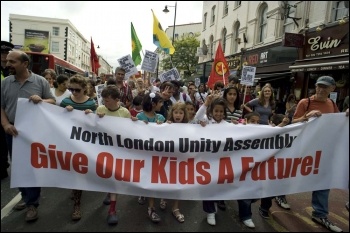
x=169, y=75
x=99, y=89
x=197, y=82
x=248, y=75
x=36, y=41
x=149, y=62
x=128, y=64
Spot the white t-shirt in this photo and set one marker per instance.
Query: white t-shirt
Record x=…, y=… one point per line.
x=60, y=98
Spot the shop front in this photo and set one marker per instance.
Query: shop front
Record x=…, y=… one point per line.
x=325, y=52
x=272, y=66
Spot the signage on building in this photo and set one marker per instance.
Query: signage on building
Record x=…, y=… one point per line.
x=36, y=41
x=270, y=56
x=293, y=40
x=233, y=62
x=320, y=68
x=328, y=42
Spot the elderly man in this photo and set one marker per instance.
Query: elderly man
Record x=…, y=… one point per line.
x=22, y=83
x=315, y=106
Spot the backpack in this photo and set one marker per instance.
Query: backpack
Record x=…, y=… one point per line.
x=308, y=104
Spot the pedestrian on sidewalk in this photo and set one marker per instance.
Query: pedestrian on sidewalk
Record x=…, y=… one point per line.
x=315, y=106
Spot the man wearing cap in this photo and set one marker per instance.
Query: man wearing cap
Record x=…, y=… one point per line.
x=22, y=83
x=315, y=106
x=5, y=48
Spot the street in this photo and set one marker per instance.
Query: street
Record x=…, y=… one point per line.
x=56, y=207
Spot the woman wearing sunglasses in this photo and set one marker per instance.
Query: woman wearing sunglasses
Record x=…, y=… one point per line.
x=79, y=100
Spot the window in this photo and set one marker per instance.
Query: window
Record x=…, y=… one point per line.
x=236, y=35
x=211, y=40
x=224, y=33
x=263, y=24
x=213, y=15
x=204, y=47
x=205, y=21
x=55, y=46
x=237, y=3
x=288, y=22
x=55, y=31
x=339, y=10
x=225, y=8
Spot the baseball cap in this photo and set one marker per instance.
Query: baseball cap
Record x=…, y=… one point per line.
x=326, y=80
x=6, y=46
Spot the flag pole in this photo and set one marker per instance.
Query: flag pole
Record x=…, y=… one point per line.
x=223, y=74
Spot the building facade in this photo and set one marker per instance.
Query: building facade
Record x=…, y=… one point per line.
x=260, y=34
x=64, y=39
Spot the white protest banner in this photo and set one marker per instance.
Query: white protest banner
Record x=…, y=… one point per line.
x=149, y=62
x=248, y=75
x=169, y=75
x=128, y=64
x=99, y=89
x=218, y=161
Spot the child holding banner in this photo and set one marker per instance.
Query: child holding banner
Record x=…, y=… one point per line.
x=178, y=114
x=245, y=205
x=151, y=103
x=213, y=111
x=111, y=107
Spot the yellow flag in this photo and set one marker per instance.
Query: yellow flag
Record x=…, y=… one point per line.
x=160, y=38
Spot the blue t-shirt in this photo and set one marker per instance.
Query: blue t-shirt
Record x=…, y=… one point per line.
x=141, y=116
x=265, y=112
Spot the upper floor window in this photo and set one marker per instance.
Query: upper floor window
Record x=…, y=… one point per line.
x=212, y=15
x=237, y=40
x=225, y=8
x=224, y=34
x=205, y=21
x=211, y=41
x=237, y=3
x=55, y=31
x=55, y=46
x=339, y=10
x=263, y=24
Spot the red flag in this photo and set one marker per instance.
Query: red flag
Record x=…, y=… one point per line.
x=94, y=59
x=219, y=70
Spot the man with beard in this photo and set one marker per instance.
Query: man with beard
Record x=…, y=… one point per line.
x=4, y=164
x=22, y=83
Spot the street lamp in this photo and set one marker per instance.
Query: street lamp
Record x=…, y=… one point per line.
x=166, y=11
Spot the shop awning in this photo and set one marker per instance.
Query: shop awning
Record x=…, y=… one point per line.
x=334, y=63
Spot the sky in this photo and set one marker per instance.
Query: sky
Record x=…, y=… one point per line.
x=108, y=23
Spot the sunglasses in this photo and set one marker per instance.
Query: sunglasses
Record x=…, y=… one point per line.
x=74, y=89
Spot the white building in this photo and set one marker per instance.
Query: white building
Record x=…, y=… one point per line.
x=273, y=36
x=65, y=40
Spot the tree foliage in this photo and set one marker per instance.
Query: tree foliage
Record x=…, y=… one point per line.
x=184, y=58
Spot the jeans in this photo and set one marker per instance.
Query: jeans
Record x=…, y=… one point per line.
x=266, y=203
x=30, y=195
x=320, y=203
x=245, y=209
